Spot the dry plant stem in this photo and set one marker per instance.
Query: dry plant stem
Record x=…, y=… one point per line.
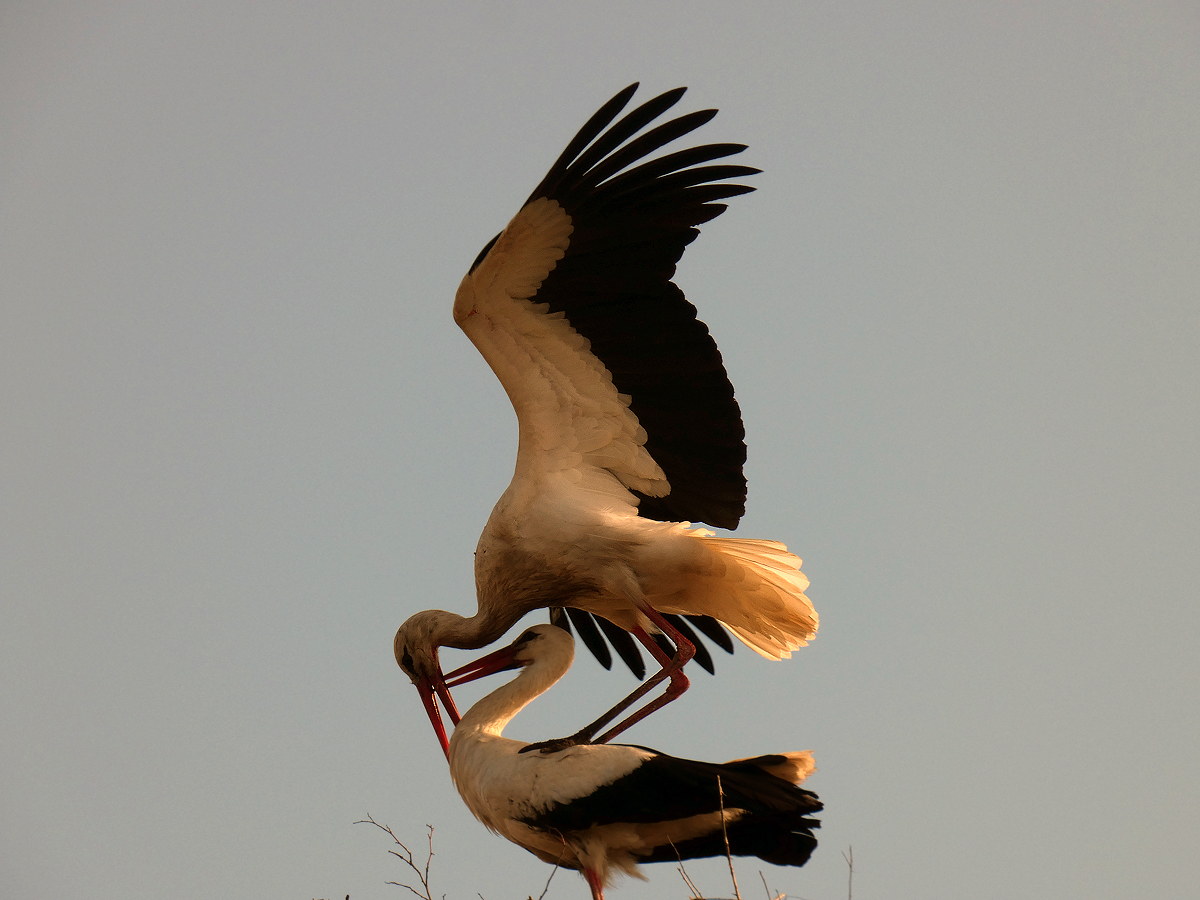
x=687, y=880
x=849, y=858
x=768, y=890
x=542, y=895
x=407, y=857
x=725, y=834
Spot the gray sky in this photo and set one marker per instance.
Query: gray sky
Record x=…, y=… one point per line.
x=243, y=440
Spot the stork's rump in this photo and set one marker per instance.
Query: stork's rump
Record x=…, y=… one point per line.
x=754, y=587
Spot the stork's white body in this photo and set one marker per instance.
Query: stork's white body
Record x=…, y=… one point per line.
x=603, y=809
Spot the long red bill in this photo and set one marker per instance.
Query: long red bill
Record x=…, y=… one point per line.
x=426, y=690
x=443, y=691
x=499, y=661
x=433, y=689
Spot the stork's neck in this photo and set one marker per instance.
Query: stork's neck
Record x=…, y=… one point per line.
x=491, y=714
x=472, y=633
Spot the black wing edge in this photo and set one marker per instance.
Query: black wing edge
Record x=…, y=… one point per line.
x=594, y=629
x=633, y=219
x=777, y=825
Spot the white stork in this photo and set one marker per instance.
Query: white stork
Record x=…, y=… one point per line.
x=628, y=428
x=604, y=808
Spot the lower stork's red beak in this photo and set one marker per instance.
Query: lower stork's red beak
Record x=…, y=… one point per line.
x=498, y=661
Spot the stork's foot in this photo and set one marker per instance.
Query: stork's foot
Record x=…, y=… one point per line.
x=553, y=746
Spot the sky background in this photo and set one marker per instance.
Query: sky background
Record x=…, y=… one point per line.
x=241, y=439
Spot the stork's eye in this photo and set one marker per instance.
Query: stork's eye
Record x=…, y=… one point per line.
x=406, y=661
x=527, y=636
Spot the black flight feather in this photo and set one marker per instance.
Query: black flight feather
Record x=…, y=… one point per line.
x=632, y=219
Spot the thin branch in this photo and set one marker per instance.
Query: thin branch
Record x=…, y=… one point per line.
x=768, y=890
x=725, y=834
x=406, y=857
x=682, y=871
x=849, y=858
x=428, y=860
x=542, y=895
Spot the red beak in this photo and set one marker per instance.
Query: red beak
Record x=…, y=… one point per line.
x=499, y=661
x=430, y=690
x=426, y=690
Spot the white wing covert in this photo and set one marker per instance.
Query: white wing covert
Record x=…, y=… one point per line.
x=570, y=413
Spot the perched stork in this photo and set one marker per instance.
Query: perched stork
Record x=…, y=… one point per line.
x=628, y=428
x=603, y=808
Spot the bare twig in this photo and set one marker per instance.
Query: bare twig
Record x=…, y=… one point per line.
x=849, y=858
x=542, y=895
x=407, y=858
x=695, y=891
x=780, y=896
x=725, y=834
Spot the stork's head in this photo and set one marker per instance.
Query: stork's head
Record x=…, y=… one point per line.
x=416, y=648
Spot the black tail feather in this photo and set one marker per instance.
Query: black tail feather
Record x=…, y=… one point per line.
x=783, y=840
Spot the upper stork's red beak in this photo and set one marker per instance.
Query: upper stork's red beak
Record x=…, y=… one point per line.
x=430, y=690
x=425, y=689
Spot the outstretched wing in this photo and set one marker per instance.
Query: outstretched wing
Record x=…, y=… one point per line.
x=605, y=362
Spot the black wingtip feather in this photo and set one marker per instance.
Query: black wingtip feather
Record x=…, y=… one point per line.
x=596, y=124
x=579, y=157
x=625, y=646
x=646, y=144
x=590, y=635
x=713, y=630
x=664, y=645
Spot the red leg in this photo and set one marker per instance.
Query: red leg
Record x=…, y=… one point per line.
x=593, y=881
x=671, y=668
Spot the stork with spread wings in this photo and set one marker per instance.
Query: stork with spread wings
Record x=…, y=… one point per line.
x=628, y=428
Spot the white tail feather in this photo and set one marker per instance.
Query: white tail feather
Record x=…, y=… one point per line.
x=754, y=587
x=795, y=765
